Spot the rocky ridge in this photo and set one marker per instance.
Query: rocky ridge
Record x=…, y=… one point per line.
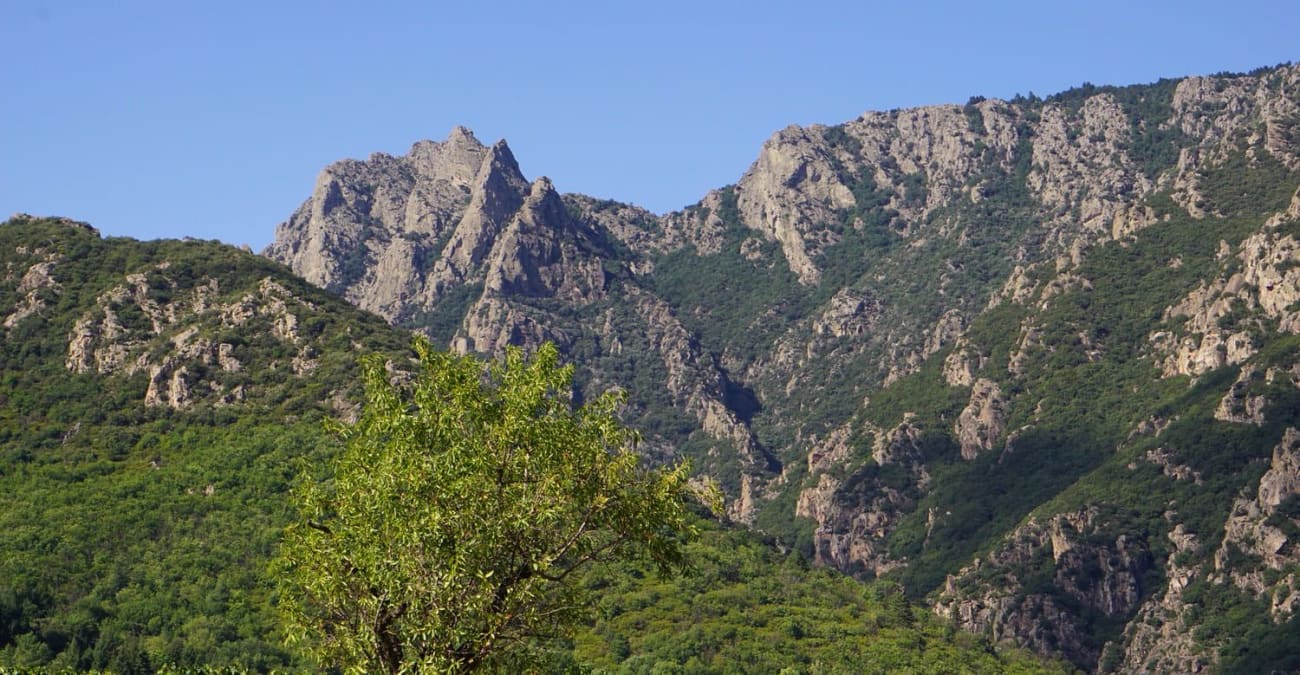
x=181, y=325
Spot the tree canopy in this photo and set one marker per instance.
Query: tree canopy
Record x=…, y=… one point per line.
x=458, y=511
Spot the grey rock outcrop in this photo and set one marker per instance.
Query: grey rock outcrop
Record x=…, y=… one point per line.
x=848, y=314
x=133, y=327
x=998, y=595
x=855, y=515
x=35, y=284
x=531, y=257
x=697, y=385
x=791, y=187
x=1256, y=527
x=961, y=365
x=1159, y=638
x=1268, y=282
x=982, y=422
x=1239, y=405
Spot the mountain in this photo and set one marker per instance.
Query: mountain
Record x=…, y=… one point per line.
x=453, y=240
x=158, y=401
x=1034, y=359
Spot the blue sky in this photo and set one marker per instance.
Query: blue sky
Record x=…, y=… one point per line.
x=212, y=119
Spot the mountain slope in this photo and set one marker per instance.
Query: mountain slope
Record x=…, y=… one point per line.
x=159, y=399
x=1009, y=353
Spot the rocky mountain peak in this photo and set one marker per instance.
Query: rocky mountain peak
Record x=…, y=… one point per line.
x=462, y=136
x=456, y=159
x=395, y=234
x=499, y=162
x=542, y=253
x=497, y=192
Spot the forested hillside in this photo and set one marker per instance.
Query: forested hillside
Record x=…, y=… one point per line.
x=159, y=399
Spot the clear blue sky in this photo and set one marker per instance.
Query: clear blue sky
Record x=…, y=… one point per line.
x=212, y=119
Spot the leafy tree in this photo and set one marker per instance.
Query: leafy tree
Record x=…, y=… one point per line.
x=459, y=511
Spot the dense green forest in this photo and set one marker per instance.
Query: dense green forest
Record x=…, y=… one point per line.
x=138, y=536
x=745, y=608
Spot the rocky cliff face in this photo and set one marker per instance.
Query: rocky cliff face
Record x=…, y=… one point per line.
x=982, y=422
x=1267, y=285
x=1159, y=638
x=1049, y=580
x=1166, y=635
x=1264, y=527
x=939, y=343
x=401, y=235
x=856, y=515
